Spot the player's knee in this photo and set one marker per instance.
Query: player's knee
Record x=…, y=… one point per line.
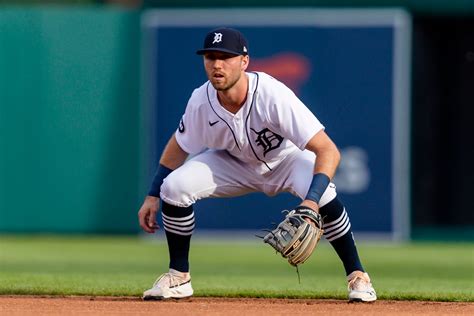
x=177, y=191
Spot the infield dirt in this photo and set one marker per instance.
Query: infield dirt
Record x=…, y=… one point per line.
x=36, y=305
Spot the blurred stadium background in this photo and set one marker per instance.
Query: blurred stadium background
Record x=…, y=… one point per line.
x=72, y=149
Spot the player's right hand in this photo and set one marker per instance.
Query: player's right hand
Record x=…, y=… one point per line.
x=147, y=214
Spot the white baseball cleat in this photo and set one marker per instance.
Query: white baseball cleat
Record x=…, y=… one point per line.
x=360, y=288
x=173, y=284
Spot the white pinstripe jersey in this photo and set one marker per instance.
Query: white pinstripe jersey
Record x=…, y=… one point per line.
x=270, y=125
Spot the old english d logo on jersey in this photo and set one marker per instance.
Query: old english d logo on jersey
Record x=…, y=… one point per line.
x=268, y=140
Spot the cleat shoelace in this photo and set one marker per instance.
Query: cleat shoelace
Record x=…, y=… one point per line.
x=172, y=280
x=358, y=281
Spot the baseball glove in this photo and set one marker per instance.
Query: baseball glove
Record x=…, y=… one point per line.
x=295, y=238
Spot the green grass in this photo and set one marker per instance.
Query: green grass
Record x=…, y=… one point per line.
x=48, y=265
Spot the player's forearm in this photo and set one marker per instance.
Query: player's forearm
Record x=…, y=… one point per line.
x=324, y=170
x=173, y=156
x=327, y=154
x=327, y=162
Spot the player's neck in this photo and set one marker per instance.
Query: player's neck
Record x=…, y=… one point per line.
x=233, y=99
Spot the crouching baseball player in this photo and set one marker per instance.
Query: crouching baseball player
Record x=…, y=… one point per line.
x=248, y=132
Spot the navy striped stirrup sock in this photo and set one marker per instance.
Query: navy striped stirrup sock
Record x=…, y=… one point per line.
x=337, y=230
x=178, y=223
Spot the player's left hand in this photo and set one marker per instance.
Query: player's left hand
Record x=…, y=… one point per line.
x=313, y=206
x=296, y=237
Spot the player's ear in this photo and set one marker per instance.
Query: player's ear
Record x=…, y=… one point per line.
x=245, y=62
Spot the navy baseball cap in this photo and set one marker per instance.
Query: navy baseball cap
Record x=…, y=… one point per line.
x=225, y=40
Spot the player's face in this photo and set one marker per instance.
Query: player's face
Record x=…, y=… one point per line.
x=224, y=70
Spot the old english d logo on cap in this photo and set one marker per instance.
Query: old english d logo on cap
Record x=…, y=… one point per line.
x=217, y=38
x=225, y=40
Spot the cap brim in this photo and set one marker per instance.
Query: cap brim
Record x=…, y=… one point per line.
x=205, y=50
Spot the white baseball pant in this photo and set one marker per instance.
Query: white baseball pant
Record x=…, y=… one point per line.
x=215, y=173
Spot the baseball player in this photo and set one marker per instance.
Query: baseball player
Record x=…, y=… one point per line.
x=244, y=132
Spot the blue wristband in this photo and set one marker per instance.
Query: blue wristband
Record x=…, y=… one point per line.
x=161, y=173
x=318, y=186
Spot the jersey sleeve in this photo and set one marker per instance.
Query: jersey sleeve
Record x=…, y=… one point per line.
x=294, y=119
x=187, y=134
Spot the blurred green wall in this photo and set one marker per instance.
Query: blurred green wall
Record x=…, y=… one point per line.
x=69, y=119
